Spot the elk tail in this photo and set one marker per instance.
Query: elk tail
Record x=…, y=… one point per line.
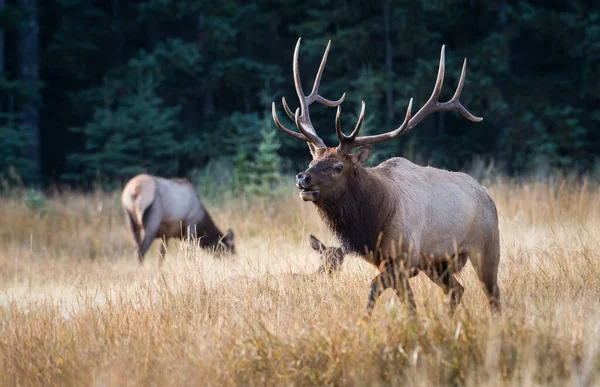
x=141, y=193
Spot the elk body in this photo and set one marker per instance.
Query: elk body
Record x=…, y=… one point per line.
x=400, y=217
x=169, y=208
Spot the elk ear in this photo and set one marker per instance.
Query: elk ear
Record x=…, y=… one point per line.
x=362, y=155
x=316, y=244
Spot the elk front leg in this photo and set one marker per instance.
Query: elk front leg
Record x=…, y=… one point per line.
x=393, y=278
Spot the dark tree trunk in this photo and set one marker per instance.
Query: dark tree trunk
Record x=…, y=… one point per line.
x=29, y=69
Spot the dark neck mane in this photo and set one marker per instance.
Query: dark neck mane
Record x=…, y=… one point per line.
x=207, y=232
x=358, y=214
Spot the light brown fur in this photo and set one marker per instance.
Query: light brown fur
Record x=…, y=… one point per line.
x=403, y=219
x=160, y=208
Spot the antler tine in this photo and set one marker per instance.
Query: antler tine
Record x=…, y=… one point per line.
x=314, y=94
x=439, y=81
x=432, y=105
x=338, y=127
x=302, y=119
x=296, y=71
x=287, y=109
x=432, y=102
x=291, y=133
x=461, y=82
x=359, y=123
x=458, y=92
x=351, y=143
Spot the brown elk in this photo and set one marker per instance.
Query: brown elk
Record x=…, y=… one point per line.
x=400, y=217
x=163, y=208
x=332, y=257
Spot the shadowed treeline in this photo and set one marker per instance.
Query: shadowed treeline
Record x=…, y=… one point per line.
x=172, y=87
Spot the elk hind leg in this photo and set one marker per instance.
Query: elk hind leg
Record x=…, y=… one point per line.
x=135, y=231
x=443, y=275
x=151, y=223
x=490, y=282
x=487, y=270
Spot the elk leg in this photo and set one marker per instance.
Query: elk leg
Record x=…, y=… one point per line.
x=133, y=226
x=492, y=291
x=488, y=275
x=135, y=231
x=151, y=223
x=442, y=276
x=407, y=292
x=390, y=278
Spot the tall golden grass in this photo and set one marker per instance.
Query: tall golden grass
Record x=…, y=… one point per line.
x=76, y=308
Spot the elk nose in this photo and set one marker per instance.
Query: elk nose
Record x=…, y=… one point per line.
x=302, y=180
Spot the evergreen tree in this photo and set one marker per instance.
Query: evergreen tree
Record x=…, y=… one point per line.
x=135, y=135
x=216, y=66
x=264, y=174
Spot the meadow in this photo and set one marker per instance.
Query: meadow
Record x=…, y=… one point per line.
x=76, y=307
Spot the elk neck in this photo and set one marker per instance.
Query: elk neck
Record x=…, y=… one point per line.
x=359, y=213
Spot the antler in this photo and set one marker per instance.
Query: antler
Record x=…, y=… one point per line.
x=347, y=143
x=302, y=116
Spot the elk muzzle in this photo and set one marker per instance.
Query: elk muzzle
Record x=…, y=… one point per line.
x=308, y=192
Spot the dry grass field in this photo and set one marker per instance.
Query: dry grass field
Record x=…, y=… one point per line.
x=76, y=308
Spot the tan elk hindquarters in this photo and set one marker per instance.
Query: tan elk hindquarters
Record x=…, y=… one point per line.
x=400, y=217
x=158, y=208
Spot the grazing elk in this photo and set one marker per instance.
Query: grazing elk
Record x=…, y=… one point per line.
x=163, y=208
x=400, y=217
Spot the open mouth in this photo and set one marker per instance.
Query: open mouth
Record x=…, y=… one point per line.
x=309, y=195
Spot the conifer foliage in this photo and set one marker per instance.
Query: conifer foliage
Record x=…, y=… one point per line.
x=104, y=90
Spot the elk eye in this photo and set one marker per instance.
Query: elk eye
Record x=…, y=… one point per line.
x=338, y=168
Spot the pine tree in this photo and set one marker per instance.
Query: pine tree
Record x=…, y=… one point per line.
x=264, y=174
x=138, y=135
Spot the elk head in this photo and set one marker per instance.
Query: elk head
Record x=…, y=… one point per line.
x=331, y=170
x=333, y=257
x=225, y=244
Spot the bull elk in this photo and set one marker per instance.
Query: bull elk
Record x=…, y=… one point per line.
x=400, y=217
x=163, y=208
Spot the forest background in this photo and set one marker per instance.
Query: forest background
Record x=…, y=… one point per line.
x=96, y=91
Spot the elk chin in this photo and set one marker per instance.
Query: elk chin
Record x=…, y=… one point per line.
x=309, y=195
